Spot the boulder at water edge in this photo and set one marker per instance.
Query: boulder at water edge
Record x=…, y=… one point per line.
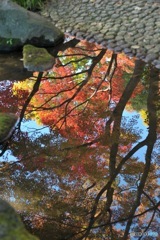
x=19, y=26
x=11, y=226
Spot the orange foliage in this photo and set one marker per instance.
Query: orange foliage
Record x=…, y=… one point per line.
x=72, y=104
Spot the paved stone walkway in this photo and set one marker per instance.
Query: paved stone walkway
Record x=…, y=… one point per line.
x=129, y=26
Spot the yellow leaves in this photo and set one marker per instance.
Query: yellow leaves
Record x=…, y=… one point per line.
x=144, y=116
x=26, y=85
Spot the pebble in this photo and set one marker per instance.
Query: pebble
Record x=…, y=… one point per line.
x=130, y=26
x=135, y=47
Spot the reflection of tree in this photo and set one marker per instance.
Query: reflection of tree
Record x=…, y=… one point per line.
x=85, y=85
x=89, y=180
x=149, y=142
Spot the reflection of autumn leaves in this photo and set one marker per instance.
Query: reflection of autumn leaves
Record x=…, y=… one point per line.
x=60, y=104
x=8, y=101
x=38, y=162
x=118, y=185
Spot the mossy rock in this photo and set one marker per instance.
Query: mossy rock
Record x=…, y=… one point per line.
x=37, y=59
x=7, y=123
x=11, y=226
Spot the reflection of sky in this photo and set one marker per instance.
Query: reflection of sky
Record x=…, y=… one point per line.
x=33, y=130
x=140, y=154
x=32, y=127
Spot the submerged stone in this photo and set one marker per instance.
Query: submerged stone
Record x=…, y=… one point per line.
x=19, y=26
x=11, y=226
x=7, y=124
x=37, y=59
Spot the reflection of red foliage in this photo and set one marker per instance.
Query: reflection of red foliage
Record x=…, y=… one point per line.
x=125, y=148
x=74, y=105
x=37, y=162
x=79, y=169
x=87, y=120
x=38, y=221
x=8, y=101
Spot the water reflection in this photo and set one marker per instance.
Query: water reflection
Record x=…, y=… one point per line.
x=92, y=173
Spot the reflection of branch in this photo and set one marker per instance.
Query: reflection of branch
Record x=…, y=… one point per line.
x=129, y=217
x=56, y=95
x=4, y=148
x=130, y=154
x=83, y=83
x=151, y=219
x=71, y=75
x=151, y=138
x=89, y=50
x=117, y=113
x=111, y=74
x=87, y=189
x=150, y=200
x=116, y=117
x=34, y=90
x=64, y=46
x=75, y=61
x=74, y=54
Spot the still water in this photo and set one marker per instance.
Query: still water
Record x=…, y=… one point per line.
x=83, y=162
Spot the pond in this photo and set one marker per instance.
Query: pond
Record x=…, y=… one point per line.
x=83, y=161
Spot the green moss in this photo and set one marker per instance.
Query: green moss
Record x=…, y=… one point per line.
x=37, y=59
x=11, y=226
x=7, y=122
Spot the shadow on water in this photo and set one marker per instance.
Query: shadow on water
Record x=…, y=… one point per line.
x=83, y=162
x=11, y=67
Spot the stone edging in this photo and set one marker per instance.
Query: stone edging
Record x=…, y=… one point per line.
x=129, y=26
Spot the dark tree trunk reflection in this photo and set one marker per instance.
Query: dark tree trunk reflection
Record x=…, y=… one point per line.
x=92, y=173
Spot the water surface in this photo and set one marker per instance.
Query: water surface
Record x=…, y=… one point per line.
x=83, y=162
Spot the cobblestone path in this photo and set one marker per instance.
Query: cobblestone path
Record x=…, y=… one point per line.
x=129, y=26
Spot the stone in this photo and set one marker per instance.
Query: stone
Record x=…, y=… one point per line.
x=135, y=47
x=19, y=26
x=133, y=22
x=11, y=226
x=158, y=66
x=37, y=59
x=7, y=125
x=118, y=49
x=108, y=37
x=150, y=57
x=127, y=50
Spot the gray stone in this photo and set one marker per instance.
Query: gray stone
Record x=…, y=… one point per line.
x=119, y=37
x=157, y=66
x=109, y=37
x=11, y=226
x=137, y=20
x=37, y=59
x=127, y=50
x=118, y=49
x=135, y=47
x=150, y=57
x=19, y=26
